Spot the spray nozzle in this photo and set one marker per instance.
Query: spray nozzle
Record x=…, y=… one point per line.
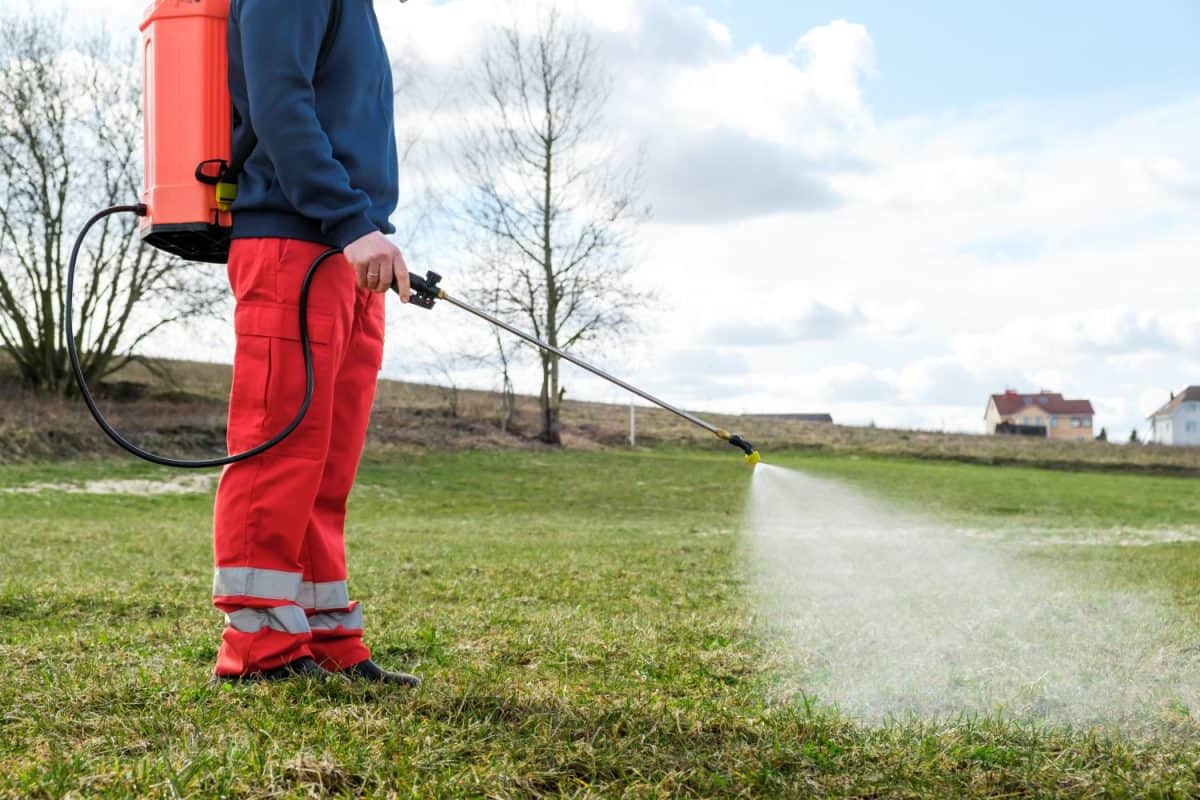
x=752, y=456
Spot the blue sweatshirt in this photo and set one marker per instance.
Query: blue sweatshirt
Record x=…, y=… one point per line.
x=325, y=169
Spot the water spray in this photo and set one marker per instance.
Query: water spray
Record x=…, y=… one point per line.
x=886, y=611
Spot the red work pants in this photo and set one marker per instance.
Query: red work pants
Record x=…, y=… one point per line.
x=278, y=526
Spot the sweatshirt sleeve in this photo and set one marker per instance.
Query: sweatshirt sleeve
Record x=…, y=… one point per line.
x=280, y=41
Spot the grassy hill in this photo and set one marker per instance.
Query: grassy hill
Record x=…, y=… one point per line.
x=184, y=414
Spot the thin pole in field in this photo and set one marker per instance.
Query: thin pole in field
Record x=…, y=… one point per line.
x=632, y=424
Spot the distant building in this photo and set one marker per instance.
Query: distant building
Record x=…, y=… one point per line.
x=1046, y=414
x=1178, y=422
x=826, y=419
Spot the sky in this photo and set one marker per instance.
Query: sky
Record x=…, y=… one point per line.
x=882, y=210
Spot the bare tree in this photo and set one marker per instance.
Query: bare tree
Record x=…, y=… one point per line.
x=70, y=144
x=549, y=195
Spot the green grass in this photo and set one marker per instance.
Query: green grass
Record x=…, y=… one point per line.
x=1022, y=495
x=582, y=621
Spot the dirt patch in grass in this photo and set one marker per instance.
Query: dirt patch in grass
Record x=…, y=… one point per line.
x=184, y=484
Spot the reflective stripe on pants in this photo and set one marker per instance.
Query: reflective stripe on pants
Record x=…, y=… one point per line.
x=320, y=596
x=265, y=584
x=286, y=619
x=351, y=620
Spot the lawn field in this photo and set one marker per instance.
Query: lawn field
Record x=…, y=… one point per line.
x=583, y=622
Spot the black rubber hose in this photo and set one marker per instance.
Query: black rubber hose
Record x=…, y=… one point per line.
x=121, y=441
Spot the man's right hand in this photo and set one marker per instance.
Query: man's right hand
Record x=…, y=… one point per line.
x=377, y=262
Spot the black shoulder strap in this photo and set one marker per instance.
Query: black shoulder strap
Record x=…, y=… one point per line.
x=244, y=148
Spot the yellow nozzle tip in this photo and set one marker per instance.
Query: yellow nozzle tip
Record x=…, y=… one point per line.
x=753, y=458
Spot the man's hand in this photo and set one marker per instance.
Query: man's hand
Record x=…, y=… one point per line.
x=377, y=262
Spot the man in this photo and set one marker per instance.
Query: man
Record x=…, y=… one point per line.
x=323, y=174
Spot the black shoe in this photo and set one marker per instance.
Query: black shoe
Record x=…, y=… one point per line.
x=372, y=673
x=302, y=668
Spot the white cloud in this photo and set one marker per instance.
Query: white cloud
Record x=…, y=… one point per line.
x=817, y=322
x=721, y=176
x=770, y=96
x=1119, y=334
x=834, y=56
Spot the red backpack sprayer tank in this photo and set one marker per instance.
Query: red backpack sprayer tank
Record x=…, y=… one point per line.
x=191, y=171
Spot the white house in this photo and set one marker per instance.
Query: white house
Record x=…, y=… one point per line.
x=1178, y=422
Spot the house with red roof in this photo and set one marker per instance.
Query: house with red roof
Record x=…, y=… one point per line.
x=1044, y=413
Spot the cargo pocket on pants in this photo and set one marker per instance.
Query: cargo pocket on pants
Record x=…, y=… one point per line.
x=372, y=320
x=269, y=379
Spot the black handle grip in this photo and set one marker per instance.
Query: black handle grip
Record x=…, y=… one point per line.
x=425, y=291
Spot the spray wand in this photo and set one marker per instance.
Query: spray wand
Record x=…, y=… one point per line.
x=426, y=291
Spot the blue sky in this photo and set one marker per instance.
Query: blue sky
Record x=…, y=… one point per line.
x=935, y=55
